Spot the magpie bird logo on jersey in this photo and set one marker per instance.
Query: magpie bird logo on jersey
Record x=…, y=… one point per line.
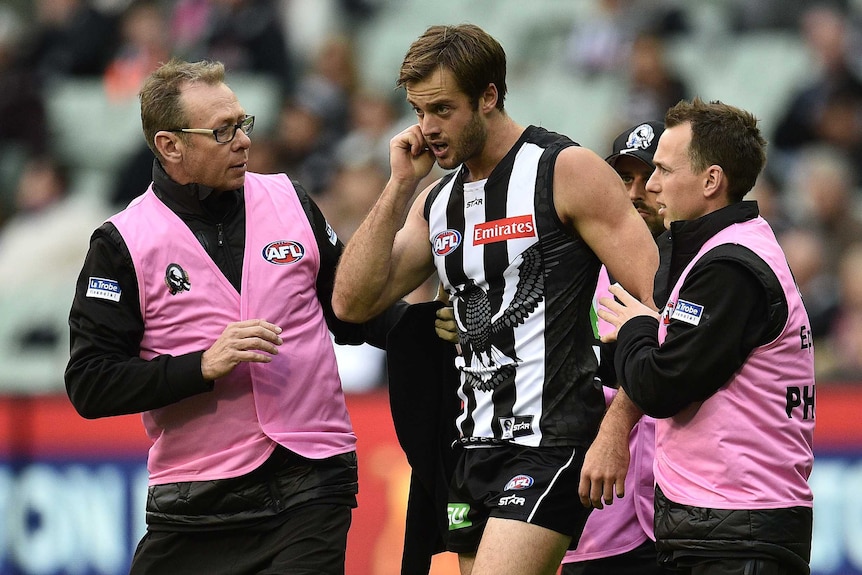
x=488, y=357
x=516, y=426
x=177, y=279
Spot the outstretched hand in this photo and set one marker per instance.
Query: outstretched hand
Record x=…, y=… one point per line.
x=252, y=340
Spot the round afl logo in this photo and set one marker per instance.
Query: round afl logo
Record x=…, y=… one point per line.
x=446, y=242
x=519, y=482
x=283, y=252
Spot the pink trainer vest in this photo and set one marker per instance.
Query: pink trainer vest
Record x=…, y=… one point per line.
x=628, y=522
x=296, y=400
x=749, y=446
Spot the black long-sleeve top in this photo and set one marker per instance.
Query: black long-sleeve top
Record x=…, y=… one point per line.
x=736, y=289
x=105, y=375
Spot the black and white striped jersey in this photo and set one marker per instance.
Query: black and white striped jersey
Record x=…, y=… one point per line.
x=522, y=287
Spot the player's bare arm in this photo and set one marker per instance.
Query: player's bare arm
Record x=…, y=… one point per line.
x=590, y=197
x=606, y=463
x=381, y=263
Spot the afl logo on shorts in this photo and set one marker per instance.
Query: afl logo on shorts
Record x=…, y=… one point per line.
x=519, y=482
x=283, y=252
x=446, y=242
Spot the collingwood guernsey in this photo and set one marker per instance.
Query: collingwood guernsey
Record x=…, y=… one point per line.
x=522, y=287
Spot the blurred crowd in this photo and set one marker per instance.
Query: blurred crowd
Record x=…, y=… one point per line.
x=332, y=130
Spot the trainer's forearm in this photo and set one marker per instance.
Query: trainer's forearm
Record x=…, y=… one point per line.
x=363, y=278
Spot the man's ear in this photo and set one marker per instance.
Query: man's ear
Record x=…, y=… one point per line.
x=715, y=182
x=488, y=99
x=170, y=146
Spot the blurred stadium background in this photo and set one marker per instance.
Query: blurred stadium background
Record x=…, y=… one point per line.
x=71, y=490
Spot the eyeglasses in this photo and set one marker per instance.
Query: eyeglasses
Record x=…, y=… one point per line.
x=224, y=134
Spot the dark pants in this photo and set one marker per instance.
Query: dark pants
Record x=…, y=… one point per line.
x=639, y=561
x=311, y=540
x=735, y=566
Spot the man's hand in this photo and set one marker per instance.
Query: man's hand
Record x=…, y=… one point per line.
x=409, y=156
x=607, y=461
x=240, y=341
x=606, y=464
x=619, y=312
x=445, y=325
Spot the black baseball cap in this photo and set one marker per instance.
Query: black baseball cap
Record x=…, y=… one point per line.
x=639, y=141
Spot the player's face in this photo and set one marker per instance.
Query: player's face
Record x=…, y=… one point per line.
x=205, y=161
x=454, y=129
x=635, y=173
x=678, y=190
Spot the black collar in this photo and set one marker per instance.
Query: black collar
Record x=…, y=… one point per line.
x=193, y=199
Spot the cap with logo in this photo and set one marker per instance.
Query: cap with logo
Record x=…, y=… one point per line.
x=639, y=141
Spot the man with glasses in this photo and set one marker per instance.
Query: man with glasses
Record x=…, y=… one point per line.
x=205, y=306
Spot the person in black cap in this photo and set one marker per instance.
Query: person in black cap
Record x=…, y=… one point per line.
x=620, y=538
x=632, y=159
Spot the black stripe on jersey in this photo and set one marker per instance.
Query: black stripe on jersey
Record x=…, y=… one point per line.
x=565, y=256
x=496, y=257
x=454, y=263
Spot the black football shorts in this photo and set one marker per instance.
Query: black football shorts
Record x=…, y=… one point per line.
x=537, y=485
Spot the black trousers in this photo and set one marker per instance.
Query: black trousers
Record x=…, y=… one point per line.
x=732, y=566
x=639, y=561
x=312, y=540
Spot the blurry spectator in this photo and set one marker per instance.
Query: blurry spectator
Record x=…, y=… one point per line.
x=822, y=187
x=602, y=43
x=805, y=251
x=144, y=43
x=331, y=80
x=24, y=129
x=132, y=178
x=350, y=195
x=769, y=195
x=312, y=122
x=845, y=343
x=263, y=158
x=303, y=150
x=188, y=23
x=653, y=86
x=246, y=35
x=70, y=38
x=766, y=14
x=829, y=108
x=50, y=228
x=21, y=104
x=372, y=124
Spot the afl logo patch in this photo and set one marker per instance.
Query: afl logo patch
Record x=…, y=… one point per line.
x=519, y=482
x=177, y=279
x=283, y=252
x=446, y=242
